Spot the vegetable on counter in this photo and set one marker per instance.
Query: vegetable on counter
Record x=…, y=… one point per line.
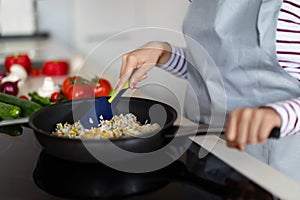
x=56, y=97
x=79, y=91
x=24, y=97
x=36, y=72
x=48, y=88
x=71, y=80
x=18, y=66
x=27, y=107
x=101, y=87
x=17, y=73
x=76, y=87
x=44, y=101
x=8, y=111
x=56, y=68
x=20, y=59
x=10, y=88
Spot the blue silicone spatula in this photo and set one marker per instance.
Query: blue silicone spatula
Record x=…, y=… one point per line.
x=101, y=109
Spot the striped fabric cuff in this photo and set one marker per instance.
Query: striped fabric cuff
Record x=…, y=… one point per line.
x=177, y=64
x=289, y=111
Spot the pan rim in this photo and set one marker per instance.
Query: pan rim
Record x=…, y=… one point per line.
x=42, y=132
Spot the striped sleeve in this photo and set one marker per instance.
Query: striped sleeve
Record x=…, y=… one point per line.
x=288, y=37
x=288, y=55
x=289, y=111
x=177, y=64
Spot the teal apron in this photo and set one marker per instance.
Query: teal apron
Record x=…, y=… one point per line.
x=233, y=64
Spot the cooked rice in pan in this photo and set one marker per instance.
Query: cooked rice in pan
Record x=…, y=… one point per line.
x=119, y=126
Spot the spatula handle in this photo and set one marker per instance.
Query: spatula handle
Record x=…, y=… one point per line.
x=120, y=92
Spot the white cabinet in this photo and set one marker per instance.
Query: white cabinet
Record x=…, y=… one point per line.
x=96, y=20
x=17, y=17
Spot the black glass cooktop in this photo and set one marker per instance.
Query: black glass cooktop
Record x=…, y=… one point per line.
x=28, y=172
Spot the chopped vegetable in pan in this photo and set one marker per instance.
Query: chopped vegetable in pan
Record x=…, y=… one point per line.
x=119, y=126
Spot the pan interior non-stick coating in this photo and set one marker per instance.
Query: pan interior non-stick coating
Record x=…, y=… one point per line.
x=45, y=120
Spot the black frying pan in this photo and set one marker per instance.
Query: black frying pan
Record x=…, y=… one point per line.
x=44, y=121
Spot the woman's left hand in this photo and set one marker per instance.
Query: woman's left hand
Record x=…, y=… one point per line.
x=250, y=126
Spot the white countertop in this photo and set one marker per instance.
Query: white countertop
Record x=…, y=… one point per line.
x=265, y=176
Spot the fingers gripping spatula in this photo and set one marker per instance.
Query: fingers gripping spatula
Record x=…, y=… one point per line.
x=102, y=109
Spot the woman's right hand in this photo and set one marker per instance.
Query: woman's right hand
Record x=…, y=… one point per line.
x=137, y=63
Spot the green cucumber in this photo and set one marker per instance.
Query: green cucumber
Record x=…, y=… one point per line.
x=27, y=107
x=8, y=111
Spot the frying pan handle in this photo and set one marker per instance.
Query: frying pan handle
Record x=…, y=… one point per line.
x=275, y=133
x=185, y=131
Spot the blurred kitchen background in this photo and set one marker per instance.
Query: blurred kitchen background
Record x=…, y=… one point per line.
x=93, y=34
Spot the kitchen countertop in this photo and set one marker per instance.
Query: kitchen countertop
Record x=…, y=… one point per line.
x=28, y=172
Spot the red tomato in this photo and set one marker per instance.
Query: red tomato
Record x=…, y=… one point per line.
x=70, y=81
x=22, y=60
x=102, y=88
x=24, y=97
x=55, y=97
x=36, y=72
x=79, y=91
x=56, y=68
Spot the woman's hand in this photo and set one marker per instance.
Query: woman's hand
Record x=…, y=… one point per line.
x=250, y=126
x=137, y=63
